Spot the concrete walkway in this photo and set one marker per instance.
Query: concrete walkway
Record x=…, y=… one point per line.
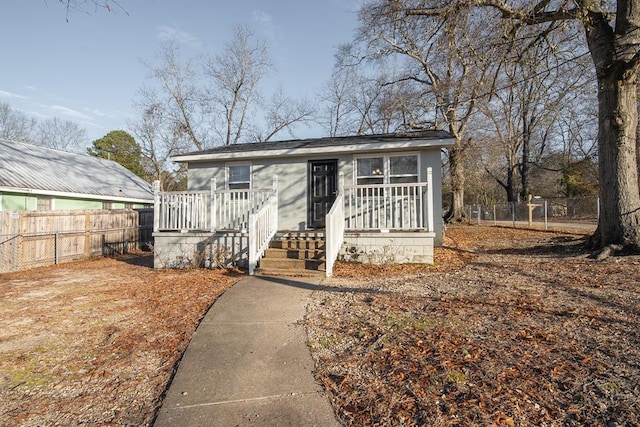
x=248, y=363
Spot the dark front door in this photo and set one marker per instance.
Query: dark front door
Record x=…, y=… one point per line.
x=323, y=177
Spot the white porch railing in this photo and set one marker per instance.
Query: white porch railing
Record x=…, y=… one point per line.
x=233, y=207
x=181, y=211
x=406, y=206
x=334, y=229
x=206, y=210
x=263, y=225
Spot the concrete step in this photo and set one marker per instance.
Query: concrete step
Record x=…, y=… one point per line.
x=298, y=244
x=288, y=273
x=313, y=235
x=292, y=264
x=295, y=253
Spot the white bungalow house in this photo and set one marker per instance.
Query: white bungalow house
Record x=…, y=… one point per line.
x=302, y=204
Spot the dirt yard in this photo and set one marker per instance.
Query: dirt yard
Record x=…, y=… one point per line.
x=511, y=328
x=96, y=342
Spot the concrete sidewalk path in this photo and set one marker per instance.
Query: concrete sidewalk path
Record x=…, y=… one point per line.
x=248, y=363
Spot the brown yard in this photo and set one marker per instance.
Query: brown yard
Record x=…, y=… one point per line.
x=511, y=327
x=96, y=342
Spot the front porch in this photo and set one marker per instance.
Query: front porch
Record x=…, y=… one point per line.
x=365, y=223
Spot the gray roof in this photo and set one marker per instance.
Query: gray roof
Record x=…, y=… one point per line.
x=424, y=138
x=38, y=169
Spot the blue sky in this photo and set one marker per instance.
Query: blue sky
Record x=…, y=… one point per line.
x=89, y=69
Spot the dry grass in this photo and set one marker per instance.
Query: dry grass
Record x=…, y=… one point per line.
x=511, y=327
x=96, y=342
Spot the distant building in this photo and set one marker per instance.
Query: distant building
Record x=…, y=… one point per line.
x=39, y=178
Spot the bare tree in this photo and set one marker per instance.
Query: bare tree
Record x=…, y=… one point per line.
x=534, y=90
x=613, y=40
x=234, y=75
x=284, y=113
x=53, y=133
x=159, y=137
x=62, y=135
x=360, y=101
x=450, y=56
x=91, y=6
x=180, y=95
x=219, y=96
x=15, y=125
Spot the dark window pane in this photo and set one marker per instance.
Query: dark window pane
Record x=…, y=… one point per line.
x=404, y=165
x=372, y=166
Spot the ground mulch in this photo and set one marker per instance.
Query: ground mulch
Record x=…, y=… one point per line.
x=96, y=342
x=509, y=328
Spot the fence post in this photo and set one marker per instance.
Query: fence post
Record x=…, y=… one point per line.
x=252, y=243
x=156, y=206
x=430, y=223
x=479, y=207
x=598, y=208
x=55, y=248
x=513, y=213
x=546, y=222
x=213, y=205
x=495, y=218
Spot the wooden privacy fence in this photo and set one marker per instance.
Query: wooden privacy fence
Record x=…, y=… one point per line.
x=39, y=238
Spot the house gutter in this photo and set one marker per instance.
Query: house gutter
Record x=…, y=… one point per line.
x=75, y=195
x=298, y=152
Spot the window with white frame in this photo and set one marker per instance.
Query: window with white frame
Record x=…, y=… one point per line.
x=239, y=176
x=391, y=169
x=403, y=169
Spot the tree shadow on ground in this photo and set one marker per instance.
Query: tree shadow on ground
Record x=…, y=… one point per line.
x=559, y=247
x=310, y=285
x=140, y=260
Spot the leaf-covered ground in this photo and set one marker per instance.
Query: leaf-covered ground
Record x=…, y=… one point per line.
x=96, y=342
x=511, y=327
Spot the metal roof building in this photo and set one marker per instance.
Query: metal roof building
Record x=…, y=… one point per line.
x=30, y=174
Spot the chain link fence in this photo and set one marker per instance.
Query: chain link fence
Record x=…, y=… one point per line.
x=23, y=251
x=567, y=213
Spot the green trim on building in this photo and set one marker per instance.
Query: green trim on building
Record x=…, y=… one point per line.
x=29, y=202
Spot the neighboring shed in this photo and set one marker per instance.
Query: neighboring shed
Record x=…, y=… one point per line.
x=376, y=198
x=39, y=178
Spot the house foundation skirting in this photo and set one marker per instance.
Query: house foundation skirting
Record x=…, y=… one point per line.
x=181, y=250
x=387, y=248
x=230, y=248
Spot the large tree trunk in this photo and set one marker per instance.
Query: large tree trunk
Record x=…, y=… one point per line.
x=614, y=55
x=456, y=212
x=619, y=221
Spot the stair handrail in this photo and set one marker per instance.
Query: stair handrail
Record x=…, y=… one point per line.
x=263, y=225
x=334, y=227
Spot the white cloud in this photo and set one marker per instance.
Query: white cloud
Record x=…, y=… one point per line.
x=168, y=33
x=264, y=22
x=5, y=94
x=65, y=111
x=97, y=113
x=30, y=87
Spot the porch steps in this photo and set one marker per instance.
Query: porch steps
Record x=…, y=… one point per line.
x=294, y=254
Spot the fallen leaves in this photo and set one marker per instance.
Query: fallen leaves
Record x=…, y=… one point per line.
x=513, y=327
x=96, y=342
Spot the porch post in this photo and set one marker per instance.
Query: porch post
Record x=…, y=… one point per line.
x=275, y=182
x=213, y=205
x=340, y=183
x=430, y=200
x=156, y=206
